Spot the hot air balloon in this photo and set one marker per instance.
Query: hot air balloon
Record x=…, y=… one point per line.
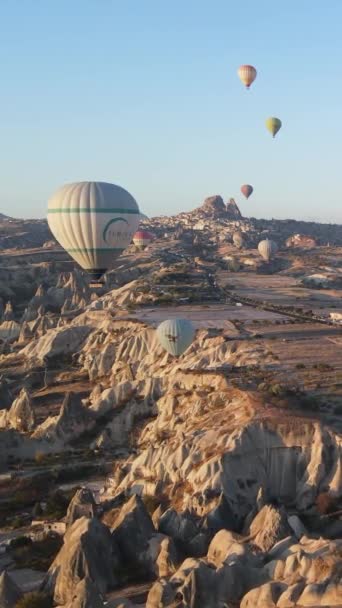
x=238, y=240
x=247, y=74
x=94, y=222
x=142, y=238
x=267, y=249
x=273, y=125
x=246, y=190
x=175, y=335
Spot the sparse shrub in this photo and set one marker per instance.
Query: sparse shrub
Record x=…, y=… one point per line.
x=56, y=506
x=20, y=541
x=17, y=522
x=300, y=366
x=151, y=503
x=131, y=307
x=39, y=457
x=310, y=402
x=322, y=367
x=277, y=390
x=338, y=409
x=37, y=555
x=326, y=503
x=37, y=510
x=35, y=599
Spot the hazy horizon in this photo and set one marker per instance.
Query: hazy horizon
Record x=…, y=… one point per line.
x=146, y=95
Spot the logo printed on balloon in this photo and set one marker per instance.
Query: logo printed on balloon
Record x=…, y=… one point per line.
x=107, y=226
x=172, y=338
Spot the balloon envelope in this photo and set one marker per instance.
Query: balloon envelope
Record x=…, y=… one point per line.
x=142, y=238
x=175, y=335
x=247, y=74
x=246, y=190
x=267, y=249
x=94, y=222
x=273, y=125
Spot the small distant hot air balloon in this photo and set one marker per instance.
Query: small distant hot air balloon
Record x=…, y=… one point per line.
x=267, y=249
x=142, y=238
x=94, y=222
x=175, y=335
x=247, y=74
x=246, y=190
x=273, y=125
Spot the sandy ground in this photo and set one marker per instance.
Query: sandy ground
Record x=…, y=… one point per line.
x=281, y=290
x=213, y=316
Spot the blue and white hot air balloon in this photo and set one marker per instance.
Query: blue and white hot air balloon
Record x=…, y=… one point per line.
x=175, y=335
x=94, y=222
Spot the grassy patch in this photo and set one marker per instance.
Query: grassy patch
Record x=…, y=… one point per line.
x=35, y=599
x=37, y=555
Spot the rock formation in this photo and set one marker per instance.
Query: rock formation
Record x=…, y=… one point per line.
x=8, y=314
x=233, y=211
x=301, y=240
x=88, y=553
x=73, y=420
x=10, y=594
x=86, y=595
x=6, y=398
x=221, y=469
x=149, y=553
x=56, y=343
x=82, y=505
x=21, y=416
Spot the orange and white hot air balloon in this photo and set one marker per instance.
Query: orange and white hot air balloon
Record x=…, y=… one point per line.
x=247, y=74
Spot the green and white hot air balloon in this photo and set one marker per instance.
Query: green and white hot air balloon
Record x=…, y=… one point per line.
x=175, y=335
x=94, y=222
x=267, y=249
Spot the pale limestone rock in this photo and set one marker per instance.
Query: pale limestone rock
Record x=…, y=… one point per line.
x=56, y=342
x=21, y=415
x=73, y=420
x=9, y=331
x=321, y=594
x=149, y=553
x=81, y=505
x=88, y=552
x=8, y=314
x=227, y=547
x=265, y=596
x=289, y=597
x=86, y=595
x=269, y=527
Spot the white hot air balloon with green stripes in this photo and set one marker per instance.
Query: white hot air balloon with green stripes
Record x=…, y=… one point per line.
x=267, y=249
x=94, y=222
x=175, y=335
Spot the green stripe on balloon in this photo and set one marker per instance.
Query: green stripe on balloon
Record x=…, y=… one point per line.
x=94, y=249
x=89, y=210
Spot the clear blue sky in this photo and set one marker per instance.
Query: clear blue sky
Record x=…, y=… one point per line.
x=145, y=94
